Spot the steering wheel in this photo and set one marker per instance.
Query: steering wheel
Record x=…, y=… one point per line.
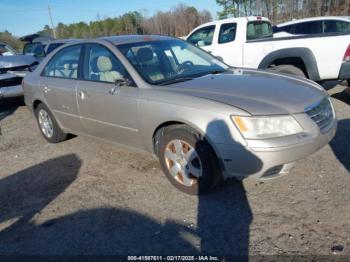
x=185, y=65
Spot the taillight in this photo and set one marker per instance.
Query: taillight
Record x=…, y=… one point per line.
x=346, y=57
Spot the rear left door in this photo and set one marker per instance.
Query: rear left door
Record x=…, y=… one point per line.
x=58, y=83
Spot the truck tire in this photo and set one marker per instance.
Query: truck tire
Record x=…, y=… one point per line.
x=289, y=69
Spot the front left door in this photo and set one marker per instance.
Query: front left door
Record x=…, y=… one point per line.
x=108, y=110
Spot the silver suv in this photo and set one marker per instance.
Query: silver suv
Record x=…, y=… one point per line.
x=203, y=120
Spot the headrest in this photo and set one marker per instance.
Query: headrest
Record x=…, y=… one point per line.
x=104, y=64
x=144, y=54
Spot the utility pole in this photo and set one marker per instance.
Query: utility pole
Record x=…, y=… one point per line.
x=52, y=25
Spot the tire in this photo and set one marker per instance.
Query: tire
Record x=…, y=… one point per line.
x=203, y=161
x=56, y=135
x=289, y=69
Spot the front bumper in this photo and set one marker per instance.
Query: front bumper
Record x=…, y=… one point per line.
x=344, y=72
x=240, y=161
x=10, y=84
x=11, y=91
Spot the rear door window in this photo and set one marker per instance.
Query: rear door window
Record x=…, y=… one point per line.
x=64, y=64
x=333, y=26
x=227, y=33
x=258, y=30
x=203, y=36
x=308, y=28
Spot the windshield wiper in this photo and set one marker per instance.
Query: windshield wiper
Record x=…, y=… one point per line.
x=176, y=80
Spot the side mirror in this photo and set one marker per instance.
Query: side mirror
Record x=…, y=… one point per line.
x=219, y=58
x=123, y=82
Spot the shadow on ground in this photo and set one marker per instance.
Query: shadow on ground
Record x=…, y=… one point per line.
x=9, y=105
x=222, y=226
x=341, y=143
x=343, y=96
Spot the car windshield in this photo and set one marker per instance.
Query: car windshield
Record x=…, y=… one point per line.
x=5, y=50
x=169, y=61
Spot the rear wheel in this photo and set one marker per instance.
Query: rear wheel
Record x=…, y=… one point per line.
x=48, y=125
x=187, y=159
x=289, y=69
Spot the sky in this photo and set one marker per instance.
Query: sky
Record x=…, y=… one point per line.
x=21, y=17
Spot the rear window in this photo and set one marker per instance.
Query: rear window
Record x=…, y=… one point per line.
x=258, y=30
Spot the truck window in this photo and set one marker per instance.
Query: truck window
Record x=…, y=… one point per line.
x=333, y=26
x=259, y=29
x=307, y=28
x=203, y=36
x=227, y=33
x=286, y=28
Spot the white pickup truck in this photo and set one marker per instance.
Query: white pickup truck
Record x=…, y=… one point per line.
x=248, y=42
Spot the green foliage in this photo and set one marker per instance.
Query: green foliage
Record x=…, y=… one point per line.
x=11, y=40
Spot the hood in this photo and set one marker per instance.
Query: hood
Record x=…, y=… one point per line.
x=7, y=62
x=257, y=92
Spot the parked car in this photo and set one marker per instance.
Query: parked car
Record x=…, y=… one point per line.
x=247, y=42
x=202, y=119
x=40, y=46
x=6, y=50
x=313, y=26
x=13, y=67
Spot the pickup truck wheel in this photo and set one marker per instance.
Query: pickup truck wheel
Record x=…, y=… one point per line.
x=187, y=160
x=48, y=125
x=289, y=69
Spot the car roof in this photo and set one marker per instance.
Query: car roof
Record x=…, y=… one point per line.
x=310, y=19
x=59, y=41
x=235, y=20
x=128, y=39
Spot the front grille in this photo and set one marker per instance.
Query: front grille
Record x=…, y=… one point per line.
x=13, y=81
x=322, y=114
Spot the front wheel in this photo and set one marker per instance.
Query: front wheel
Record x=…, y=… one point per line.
x=187, y=160
x=289, y=69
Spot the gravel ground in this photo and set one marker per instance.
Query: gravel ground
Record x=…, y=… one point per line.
x=84, y=196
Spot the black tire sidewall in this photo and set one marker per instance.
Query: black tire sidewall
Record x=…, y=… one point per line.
x=289, y=69
x=58, y=135
x=204, y=151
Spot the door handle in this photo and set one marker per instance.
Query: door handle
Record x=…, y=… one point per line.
x=83, y=95
x=114, y=90
x=46, y=89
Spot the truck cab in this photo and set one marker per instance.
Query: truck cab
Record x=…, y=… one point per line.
x=228, y=36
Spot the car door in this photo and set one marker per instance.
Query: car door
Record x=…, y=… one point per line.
x=108, y=110
x=203, y=38
x=226, y=46
x=58, y=83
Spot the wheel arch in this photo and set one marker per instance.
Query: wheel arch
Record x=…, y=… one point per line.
x=195, y=128
x=304, y=54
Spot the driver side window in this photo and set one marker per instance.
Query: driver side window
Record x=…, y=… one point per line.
x=102, y=66
x=203, y=36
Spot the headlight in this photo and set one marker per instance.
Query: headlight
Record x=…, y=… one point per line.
x=267, y=127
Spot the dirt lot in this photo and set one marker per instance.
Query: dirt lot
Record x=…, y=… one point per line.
x=85, y=196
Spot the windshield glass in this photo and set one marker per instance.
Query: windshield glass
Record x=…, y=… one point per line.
x=36, y=49
x=5, y=50
x=167, y=61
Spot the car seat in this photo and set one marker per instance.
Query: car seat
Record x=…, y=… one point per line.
x=105, y=66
